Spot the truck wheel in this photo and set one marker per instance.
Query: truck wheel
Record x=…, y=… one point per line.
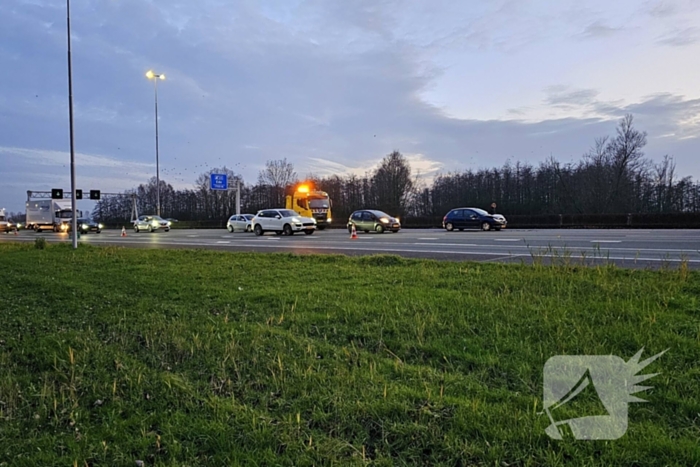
x=258, y=230
x=287, y=230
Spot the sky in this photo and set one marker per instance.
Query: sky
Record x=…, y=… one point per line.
x=333, y=86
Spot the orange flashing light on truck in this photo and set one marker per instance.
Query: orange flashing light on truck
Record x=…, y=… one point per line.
x=311, y=203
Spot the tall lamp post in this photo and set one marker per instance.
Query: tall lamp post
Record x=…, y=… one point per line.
x=155, y=77
x=74, y=221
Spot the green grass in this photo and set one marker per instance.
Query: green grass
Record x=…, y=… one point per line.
x=182, y=357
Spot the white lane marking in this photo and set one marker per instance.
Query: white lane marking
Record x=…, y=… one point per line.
x=272, y=238
x=193, y=236
x=507, y=239
x=606, y=241
x=222, y=241
x=447, y=244
x=427, y=238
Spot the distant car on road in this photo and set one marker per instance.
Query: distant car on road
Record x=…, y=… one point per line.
x=240, y=223
x=370, y=220
x=472, y=218
x=282, y=222
x=88, y=225
x=151, y=223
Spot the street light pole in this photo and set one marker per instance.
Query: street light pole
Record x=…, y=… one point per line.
x=74, y=221
x=155, y=77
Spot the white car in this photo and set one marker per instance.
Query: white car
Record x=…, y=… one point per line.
x=282, y=221
x=242, y=223
x=151, y=223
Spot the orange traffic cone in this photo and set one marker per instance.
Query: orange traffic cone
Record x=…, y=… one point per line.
x=123, y=231
x=16, y=231
x=353, y=233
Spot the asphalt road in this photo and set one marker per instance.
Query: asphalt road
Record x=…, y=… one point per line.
x=626, y=248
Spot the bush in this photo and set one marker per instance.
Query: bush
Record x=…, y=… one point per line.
x=40, y=243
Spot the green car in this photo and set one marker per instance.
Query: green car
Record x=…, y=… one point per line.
x=369, y=220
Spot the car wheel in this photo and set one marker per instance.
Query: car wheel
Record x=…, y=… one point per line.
x=258, y=230
x=98, y=231
x=379, y=228
x=150, y=228
x=167, y=229
x=449, y=227
x=229, y=228
x=321, y=227
x=287, y=230
x=350, y=229
x=485, y=226
x=136, y=229
x=308, y=232
x=248, y=228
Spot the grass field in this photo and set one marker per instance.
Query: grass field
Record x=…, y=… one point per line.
x=183, y=357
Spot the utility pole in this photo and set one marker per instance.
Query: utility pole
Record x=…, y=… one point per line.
x=74, y=221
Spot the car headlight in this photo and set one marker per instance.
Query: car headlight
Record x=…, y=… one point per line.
x=101, y=226
x=85, y=226
x=296, y=219
x=64, y=226
x=384, y=220
x=169, y=223
x=329, y=220
x=154, y=223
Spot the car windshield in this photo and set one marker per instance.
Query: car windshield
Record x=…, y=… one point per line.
x=380, y=214
x=480, y=211
x=288, y=213
x=2, y=219
x=157, y=218
x=318, y=203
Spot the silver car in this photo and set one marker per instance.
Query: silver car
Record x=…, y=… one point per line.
x=151, y=224
x=240, y=223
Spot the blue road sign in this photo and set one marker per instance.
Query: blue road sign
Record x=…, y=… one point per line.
x=219, y=182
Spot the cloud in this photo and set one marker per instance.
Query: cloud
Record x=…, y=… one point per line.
x=681, y=37
x=598, y=29
x=563, y=96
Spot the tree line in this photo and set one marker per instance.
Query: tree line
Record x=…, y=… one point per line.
x=613, y=177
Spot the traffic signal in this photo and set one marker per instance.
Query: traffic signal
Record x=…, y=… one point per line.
x=95, y=194
x=78, y=194
x=56, y=193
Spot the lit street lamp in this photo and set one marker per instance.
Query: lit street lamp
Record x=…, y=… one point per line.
x=155, y=77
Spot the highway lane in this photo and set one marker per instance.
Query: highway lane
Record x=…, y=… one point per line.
x=626, y=248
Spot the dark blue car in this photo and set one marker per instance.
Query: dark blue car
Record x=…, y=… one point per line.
x=472, y=218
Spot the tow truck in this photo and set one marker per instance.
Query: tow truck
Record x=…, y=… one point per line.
x=308, y=202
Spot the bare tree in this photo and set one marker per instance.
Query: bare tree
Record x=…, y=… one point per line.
x=277, y=175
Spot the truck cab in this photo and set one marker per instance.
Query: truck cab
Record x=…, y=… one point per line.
x=311, y=203
x=5, y=224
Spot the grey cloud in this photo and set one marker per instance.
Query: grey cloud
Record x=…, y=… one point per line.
x=598, y=29
x=562, y=96
x=681, y=37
